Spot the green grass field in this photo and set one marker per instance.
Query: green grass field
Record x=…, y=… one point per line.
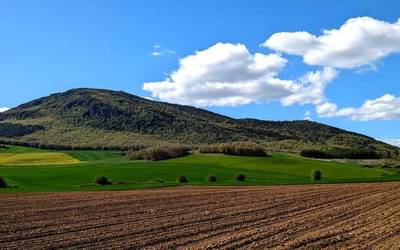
x=280, y=168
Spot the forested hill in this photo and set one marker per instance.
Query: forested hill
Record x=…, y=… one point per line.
x=97, y=118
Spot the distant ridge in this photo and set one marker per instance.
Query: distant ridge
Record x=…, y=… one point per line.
x=98, y=118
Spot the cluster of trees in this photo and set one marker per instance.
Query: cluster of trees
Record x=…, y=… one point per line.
x=236, y=148
x=342, y=153
x=65, y=147
x=160, y=152
x=15, y=130
x=390, y=154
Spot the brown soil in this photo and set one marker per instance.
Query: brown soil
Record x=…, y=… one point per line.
x=281, y=217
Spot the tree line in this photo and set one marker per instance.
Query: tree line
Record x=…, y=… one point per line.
x=343, y=153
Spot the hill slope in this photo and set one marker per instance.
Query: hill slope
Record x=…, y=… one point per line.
x=104, y=118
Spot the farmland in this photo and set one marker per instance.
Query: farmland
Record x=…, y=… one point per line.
x=37, y=159
x=283, y=217
x=280, y=168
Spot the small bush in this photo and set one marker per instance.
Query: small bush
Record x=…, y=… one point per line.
x=316, y=175
x=158, y=180
x=102, y=180
x=3, y=183
x=160, y=152
x=240, y=177
x=211, y=178
x=183, y=179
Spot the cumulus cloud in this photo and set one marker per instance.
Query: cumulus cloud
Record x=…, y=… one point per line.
x=224, y=74
x=228, y=74
x=311, y=88
x=394, y=142
x=386, y=107
x=358, y=42
x=327, y=109
x=3, y=109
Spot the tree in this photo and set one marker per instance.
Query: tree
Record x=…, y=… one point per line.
x=316, y=175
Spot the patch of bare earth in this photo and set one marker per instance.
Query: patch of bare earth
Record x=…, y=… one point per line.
x=282, y=217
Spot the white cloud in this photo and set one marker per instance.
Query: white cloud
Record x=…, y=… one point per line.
x=228, y=74
x=394, y=142
x=148, y=98
x=224, y=74
x=3, y=109
x=312, y=87
x=326, y=109
x=358, y=42
x=160, y=51
x=386, y=107
x=156, y=53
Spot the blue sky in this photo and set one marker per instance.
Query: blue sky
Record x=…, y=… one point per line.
x=52, y=46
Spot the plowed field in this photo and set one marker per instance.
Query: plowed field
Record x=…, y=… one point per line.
x=281, y=217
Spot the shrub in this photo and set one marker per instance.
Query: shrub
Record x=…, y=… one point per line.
x=316, y=175
x=211, y=178
x=161, y=152
x=240, y=177
x=102, y=180
x=182, y=179
x=158, y=180
x=3, y=183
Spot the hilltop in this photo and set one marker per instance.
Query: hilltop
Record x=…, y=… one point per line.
x=97, y=118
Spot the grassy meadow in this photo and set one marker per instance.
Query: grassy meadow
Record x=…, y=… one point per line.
x=42, y=170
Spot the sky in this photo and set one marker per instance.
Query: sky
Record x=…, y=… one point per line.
x=335, y=62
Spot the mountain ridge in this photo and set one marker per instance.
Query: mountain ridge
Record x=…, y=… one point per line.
x=99, y=118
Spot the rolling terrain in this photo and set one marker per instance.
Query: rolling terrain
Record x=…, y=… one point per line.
x=97, y=119
x=84, y=165
x=347, y=216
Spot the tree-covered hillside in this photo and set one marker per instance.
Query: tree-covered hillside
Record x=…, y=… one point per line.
x=94, y=118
